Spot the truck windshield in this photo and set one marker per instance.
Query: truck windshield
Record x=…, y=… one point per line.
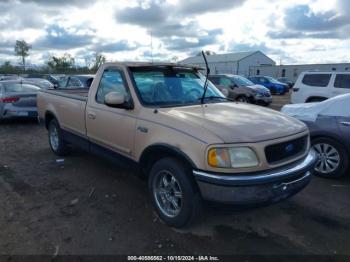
x=169, y=86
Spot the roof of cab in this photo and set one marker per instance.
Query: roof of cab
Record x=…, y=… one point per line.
x=150, y=64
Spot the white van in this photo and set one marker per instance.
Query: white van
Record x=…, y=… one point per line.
x=319, y=86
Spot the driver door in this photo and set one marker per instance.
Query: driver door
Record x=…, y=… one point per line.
x=109, y=127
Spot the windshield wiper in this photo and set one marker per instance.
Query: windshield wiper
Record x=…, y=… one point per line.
x=216, y=97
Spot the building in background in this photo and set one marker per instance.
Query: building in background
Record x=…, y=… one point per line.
x=232, y=63
x=292, y=71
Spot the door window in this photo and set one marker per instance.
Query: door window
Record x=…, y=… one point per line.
x=225, y=82
x=342, y=81
x=321, y=80
x=111, y=81
x=74, y=82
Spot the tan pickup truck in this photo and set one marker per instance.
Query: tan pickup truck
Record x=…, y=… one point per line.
x=191, y=150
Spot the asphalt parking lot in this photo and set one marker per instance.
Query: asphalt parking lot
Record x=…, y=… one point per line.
x=88, y=206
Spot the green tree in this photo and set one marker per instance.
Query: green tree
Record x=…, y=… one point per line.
x=22, y=49
x=99, y=60
x=61, y=64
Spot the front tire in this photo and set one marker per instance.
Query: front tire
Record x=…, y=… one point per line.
x=174, y=193
x=333, y=159
x=56, y=140
x=242, y=99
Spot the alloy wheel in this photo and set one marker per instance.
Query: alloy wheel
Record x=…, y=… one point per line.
x=167, y=193
x=328, y=158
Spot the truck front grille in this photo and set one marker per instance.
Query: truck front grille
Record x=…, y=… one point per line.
x=286, y=150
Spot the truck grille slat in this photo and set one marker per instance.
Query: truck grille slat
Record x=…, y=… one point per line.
x=285, y=150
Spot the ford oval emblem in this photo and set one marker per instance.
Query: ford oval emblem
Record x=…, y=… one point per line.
x=289, y=148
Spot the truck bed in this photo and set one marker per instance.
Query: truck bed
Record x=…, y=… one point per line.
x=77, y=93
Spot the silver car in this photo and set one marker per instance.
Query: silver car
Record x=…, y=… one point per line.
x=18, y=99
x=40, y=82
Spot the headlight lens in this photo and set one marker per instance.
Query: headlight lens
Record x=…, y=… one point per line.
x=235, y=157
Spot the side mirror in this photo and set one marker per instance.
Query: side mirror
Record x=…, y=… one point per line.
x=115, y=99
x=233, y=86
x=55, y=86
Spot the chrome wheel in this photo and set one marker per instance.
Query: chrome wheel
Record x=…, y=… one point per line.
x=167, y=193
x=328, y=158
x=54, y=140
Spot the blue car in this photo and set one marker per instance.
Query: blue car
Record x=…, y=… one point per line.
x=275, y=86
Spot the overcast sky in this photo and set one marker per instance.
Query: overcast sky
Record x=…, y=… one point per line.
x=291, y=31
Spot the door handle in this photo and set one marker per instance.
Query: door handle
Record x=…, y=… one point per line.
x=91, y=115
x=345, y=123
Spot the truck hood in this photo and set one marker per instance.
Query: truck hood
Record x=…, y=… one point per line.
x=238, y=123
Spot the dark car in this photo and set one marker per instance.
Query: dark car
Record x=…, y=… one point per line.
x=76, y=81
x=241, y=89
x=272, y=84
x=329, y=125
x=286, y=81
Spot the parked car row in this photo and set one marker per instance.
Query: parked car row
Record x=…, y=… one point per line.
x=241, y=89
x=18, y=94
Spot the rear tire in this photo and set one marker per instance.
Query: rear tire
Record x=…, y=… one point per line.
x=174, y=193
x=56, y=140
x=333, y=159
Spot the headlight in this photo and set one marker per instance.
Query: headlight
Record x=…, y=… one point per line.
x=235, y=157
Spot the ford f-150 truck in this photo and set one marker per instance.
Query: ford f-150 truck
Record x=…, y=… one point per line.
x=192, y=146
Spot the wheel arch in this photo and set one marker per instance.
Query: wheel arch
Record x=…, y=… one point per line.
x=153, y=153
x=321, y=98
x=48, y=117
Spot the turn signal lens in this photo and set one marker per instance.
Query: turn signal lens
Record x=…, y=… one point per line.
x=218, y=157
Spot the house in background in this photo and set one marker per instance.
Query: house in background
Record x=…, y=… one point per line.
x=232, y=63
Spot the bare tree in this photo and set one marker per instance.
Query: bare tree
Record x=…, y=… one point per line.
x=174, y=59
x=22, y=49
x=99, y=60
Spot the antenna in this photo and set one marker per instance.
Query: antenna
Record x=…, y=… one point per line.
x=206, y=77
x=152, y=46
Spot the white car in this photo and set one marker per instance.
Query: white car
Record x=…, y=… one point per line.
x=319, y=86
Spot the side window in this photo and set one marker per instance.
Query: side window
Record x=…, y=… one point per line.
x=225, y=82
x=342, y=81
x=262, y=80
x=316, y=79
x=74, y=82
x=111, y=81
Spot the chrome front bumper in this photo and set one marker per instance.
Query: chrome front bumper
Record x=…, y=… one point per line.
x=254, y=188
